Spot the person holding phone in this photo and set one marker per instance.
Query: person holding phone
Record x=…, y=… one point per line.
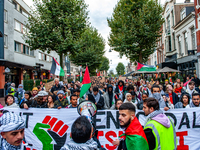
x=167, y=101
x=169, y=93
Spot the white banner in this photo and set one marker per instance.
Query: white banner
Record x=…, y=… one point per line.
x=50, y=128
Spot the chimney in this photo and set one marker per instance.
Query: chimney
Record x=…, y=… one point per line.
x=187, y=1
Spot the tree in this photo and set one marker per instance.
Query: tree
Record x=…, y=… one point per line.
x=111, y=73
x=120, y=69
x=56, y=25
x=105, y=64
x=90, y=50
x=135, y=27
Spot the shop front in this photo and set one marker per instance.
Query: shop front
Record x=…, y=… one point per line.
x=188, y=65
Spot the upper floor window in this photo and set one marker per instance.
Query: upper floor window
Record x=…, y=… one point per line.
x=25, y=13
x=186, y=42
x=193, y=38
x=17, y=47
x=17, y=25
x=40, y=56
x=183, y=14
x=5, y=16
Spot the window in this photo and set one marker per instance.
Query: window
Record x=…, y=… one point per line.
x=25, y=13
x=5, y=16
x=31, y=53
x=193, y=38
x=174, y=41
x=17, y=47
x=40, y=56
x=170, y=45
x=183, y=14
x=17, y=25
x=24, y=49
x=186, y=43
x=47, y=58
x=15, y=4
x=44, y=57
x=50, y=59
x=5, y=40
x=179, y=45
x=168, y=24
x=173, y=17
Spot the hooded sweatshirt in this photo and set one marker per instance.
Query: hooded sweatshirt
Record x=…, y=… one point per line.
x=160, y=118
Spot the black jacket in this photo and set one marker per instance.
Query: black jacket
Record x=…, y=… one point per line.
x=122, y=145
x=100, y=103
x=57, y=88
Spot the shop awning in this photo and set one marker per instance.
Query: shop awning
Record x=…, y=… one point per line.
x=9, y=64
x=128, y=74
x=167, y=69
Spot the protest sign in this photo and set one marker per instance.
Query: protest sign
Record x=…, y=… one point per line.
x=122, y=78
x=50, y=128
x=97, y=81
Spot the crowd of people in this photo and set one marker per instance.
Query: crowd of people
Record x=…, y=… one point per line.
x=110, y=95
x=149, y=96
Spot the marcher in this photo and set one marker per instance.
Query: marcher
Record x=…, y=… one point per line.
x=155, y=90
x=195, y=100
x=34, y=91
x=73, y=101
x=10, y=102
x=81, y=136
x=11, y=89
x=120, y=89
x=129, y=99
x=61, y=102
x=96, y=98
x=134, y=136
x=12, y=132
x=50, y=101
x=19, y=94
x=109, y=98
x=118, y=103
x=184, y=101
x=159, y=129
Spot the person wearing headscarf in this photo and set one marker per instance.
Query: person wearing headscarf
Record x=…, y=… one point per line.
x=109, y=98
x=10, y=125
x=129, y=99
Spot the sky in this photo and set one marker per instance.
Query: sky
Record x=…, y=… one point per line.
x=99, y=11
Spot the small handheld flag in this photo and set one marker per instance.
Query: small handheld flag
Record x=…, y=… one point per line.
x=56, y=68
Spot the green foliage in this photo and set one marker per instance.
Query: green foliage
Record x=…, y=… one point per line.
x=37, y=82
x=120, y=68
x=135, y=28
x=28, y=85
x=90, y=50
x=105, y=64
x=56, y=25
x=111, y=73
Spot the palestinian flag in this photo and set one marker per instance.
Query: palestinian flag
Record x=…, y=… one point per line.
x=81, y=75
x=143, y=67
x=135, y=137
x=86, y=82
x=56, y=68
